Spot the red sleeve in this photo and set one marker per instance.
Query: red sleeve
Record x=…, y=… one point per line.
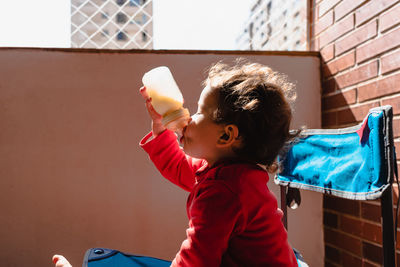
x=170, y=160
x=214, y=214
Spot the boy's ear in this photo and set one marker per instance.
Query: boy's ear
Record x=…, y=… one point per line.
x=229, y=136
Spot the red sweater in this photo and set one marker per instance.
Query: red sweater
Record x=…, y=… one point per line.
x=234, y=219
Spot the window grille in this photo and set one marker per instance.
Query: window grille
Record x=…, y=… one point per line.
x=112, y=24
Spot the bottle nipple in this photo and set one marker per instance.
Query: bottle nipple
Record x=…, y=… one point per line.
x=176, y=120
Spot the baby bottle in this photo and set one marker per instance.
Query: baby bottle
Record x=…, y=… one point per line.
x=167, y=99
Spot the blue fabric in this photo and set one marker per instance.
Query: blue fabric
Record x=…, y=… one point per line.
x=122, y=260
x=116, y=258
x=350, y=162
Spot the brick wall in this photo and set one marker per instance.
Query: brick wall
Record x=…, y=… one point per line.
x=359, y=41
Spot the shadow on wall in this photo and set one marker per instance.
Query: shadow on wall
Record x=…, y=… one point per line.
x=334, y=102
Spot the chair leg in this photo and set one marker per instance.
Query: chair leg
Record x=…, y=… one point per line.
x=388, y=229
x=283, y=206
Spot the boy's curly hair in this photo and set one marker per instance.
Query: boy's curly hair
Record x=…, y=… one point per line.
x=256, y=99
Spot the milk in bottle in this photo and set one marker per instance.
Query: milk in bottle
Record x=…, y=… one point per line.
x=167, y=99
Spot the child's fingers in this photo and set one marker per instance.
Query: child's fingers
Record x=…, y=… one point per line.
x=59, y=260
x=55, y=258
x=153, y=113
x=143, y=92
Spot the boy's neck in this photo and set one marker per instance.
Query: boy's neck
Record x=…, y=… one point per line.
x=222, y=160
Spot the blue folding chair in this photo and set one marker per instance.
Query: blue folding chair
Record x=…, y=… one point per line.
x=356, y=163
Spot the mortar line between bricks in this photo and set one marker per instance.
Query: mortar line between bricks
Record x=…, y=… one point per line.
x=355, y=105
x=351, y=217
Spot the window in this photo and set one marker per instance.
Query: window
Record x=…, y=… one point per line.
x=269, y=6
x=121, y=18
x=121, y=36
x=135, y=2
x=144, y=37
x=120, y=2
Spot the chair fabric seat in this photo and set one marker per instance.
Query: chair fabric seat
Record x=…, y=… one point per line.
x=349, y=162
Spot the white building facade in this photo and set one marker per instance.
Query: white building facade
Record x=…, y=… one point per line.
x=275, y=25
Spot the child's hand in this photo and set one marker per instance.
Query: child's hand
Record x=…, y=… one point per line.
x=157, y=126
x=60, y=261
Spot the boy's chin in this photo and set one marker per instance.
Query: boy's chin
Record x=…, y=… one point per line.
x=187, y=150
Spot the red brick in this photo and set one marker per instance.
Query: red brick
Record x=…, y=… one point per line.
x=332, y=253
x=355, y=114
x=315, y=44
x=390, y=18
x=324, y=22
x=386, y=86
x=350, y=260
x=329, y=119
x=329, y=86
x=369, y=264
x=330, y=219
x=379, y=45
x=327, y=53
x=339, y=100
x=351, y=226
x=314, y=11
x=324, y=6
x=398, y=241
x=347, y=206
x=359, y=74
x=394, y=102
x=345, y=242
x=372, y=252
x=371, y=9
x=345, y=7
x=396, y=129
x=325, y=71
x=390, y=62
x=371, y=212
x=329, y=264
x=337, y=30
x=357, y=37
x=372, y=232
x=395, y=191
x=397, y=146
x=344, y=62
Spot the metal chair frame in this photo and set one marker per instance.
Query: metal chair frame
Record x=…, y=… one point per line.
x=388, y=226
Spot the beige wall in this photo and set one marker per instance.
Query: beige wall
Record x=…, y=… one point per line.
x=72, y=174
